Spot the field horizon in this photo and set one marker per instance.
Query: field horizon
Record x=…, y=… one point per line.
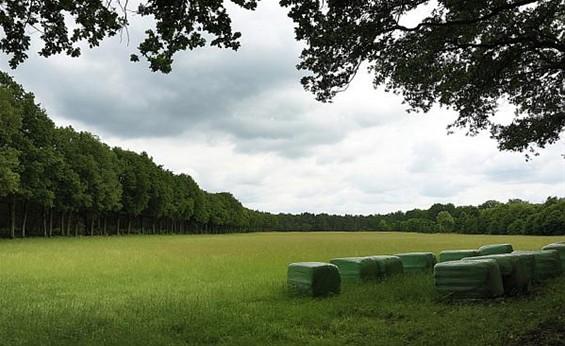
x=231, y=289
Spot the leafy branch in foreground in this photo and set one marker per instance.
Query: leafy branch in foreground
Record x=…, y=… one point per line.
x=465, y=55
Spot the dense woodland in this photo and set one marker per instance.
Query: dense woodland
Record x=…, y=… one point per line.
x=55, y=181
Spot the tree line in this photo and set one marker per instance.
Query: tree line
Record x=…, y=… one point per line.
x=492, y=217
x=59, y=181
x=56, y=181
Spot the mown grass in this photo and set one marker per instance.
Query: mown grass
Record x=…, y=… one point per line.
x=231, y=289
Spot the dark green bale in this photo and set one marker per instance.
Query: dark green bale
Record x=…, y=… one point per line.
x=388, y=265
x=417, y=262
x=357, y=268
x=560, y=248
x=514, y=273
x=548, y=264
x=314, y=279
x=529, y=261
x=468, y=279
x=455, y=255
x=495, y=249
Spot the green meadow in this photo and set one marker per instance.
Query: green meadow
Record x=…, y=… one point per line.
x=231, y=289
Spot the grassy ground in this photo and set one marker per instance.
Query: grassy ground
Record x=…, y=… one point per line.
x=230, y=289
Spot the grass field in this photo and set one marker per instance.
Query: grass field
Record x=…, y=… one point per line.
x=231, y=289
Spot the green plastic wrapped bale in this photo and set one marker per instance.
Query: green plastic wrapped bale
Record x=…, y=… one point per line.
x=417, y=262
x=548, y=264
x=514, y=273
x=313, y=279
x=560, y=248
x=529, y=261
x=357, y=268
x=455, y=255
x=468, y=279
x=388, y=265
x=495, y=249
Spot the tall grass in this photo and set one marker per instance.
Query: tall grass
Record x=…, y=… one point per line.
x=230, y=289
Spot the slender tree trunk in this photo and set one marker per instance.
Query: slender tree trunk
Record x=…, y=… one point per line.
x=24, y=220
x=129, y=224
x=118, y=225
x=153, y=226
x=62, y=220
x=50, y=221
x=13, y=218
x=45, y=222
x=69, y=223
x=142, y=228
x=105, y=224
x=92, y=226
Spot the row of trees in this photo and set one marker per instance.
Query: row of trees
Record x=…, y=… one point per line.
x=492, y=217
x=57, y=181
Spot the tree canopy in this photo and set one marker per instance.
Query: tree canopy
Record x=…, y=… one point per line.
x=468, y=56
x=465, y=55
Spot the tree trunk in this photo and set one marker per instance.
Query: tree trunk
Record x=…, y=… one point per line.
x=92, y=226
x=62, y=220
x=142, y=228
x=69, y=223
x=118, y=225
x=13, y=218
x=129, y=224
x=50, y=221
x=24, y=220
x=45, y=222
x=105, y=224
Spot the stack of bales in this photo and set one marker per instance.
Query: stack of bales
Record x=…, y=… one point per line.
x=547, y=264
x=469, y=279
x=514, y=273
x=560, y=248
x=417, y=262
x=488, y=272
x=479, y=273
x=313, y=279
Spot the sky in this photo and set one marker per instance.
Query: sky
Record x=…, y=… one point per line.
x=241, y=122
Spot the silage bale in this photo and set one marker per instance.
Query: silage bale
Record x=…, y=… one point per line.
x=455, y=255
x=529, y=261
x=514, y=273
x=548, y=264
x=313, y=279
x=388, y=265
x=560, y=248
x=357, y=268
x=494, y=249
x=417, y=261
x=468, y=279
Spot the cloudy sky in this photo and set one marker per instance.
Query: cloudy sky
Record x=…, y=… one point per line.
x=241, y=122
